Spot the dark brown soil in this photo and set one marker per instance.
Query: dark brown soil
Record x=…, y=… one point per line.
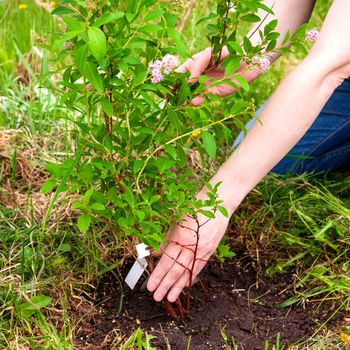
x=235, y=302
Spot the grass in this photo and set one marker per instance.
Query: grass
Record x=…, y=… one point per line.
x=298, y=223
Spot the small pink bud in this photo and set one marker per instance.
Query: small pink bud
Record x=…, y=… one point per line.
x=89, y=87
x=312, y=35
x=262, y=64
x=68, y=45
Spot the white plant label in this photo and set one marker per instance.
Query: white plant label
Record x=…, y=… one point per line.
x=139, y=266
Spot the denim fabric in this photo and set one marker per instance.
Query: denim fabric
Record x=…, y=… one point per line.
x=326, y=145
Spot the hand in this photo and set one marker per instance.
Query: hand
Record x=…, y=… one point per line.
x=202, y=64
x=172, y=272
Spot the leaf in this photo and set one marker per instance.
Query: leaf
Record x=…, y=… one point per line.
x=157, y=13
x=26, y=310
x=61, y=10
x=108, y=18
x=209, y=214
x=48, y=185
x=232, y=66
x=94, y=77
x=81, y=55
x=97, y=43
x=209, y=143
x=171, y=151
x=181, y=47
x=65, y=247
x=242, y=82
x=223, y=211
x=123, y=222
x=247, y=45
x=107, y=106
x=88, y=195
x=251, y=18
x=73, y=24
x=84, y=222
x=151, y=28
x=98, y=206
x=140, y=214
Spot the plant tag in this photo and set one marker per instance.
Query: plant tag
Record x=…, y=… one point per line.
x=139, y=266
x=142, y=250
x=136, y=272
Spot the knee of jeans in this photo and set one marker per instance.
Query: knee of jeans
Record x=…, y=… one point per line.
x=289, y=166
x=249, y=125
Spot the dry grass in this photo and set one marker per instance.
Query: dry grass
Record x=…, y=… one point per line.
x=22, y=174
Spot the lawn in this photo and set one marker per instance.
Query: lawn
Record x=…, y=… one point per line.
x=279, y=280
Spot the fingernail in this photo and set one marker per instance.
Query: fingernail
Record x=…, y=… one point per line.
x=158, y=297
x=171, y=298
x=151, y=286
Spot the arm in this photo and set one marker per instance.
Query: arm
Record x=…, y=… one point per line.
x=292, y=108
x=289, y=113
x=198, y=65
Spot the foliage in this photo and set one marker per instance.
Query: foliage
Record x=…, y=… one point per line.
x=133, y=137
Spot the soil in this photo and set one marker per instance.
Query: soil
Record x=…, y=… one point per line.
x=237, y=302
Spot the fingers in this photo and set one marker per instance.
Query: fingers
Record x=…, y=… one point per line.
x=184, y=280
x=196, y=65
x=173, y=274
x=164, y=265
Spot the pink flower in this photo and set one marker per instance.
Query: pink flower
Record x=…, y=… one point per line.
x=262, y=64
x=159, y=68
x=312, y=35
x=169, y=63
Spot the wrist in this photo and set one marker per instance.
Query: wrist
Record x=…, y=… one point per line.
x=230, y=191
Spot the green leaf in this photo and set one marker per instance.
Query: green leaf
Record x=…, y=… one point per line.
x=151, y=28
x=81, y=55
x=251, y=18
x=123, y=222
x=73, y=24
x=209, y=143
x=236, y=47
x=223, y=211
x=94, y=77
x=38, y=302
x=242, y=82
x=247, y=45
x=107, y=106
x=61, y=10
x=88, y=195
x=64, y=248
x=97, y=43
x=108, y=18
x=48, y=185
x=98, y=206
x=155, y=14
x=171, y=151
x=84, y=222
x=140, y=214
x=181, y=47
x=209, y=214
x=232, y=66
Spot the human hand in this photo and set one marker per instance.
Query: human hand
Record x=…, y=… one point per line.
x=202, y=64
x=190, y=245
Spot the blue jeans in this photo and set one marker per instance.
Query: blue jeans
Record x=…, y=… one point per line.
x=326, y=145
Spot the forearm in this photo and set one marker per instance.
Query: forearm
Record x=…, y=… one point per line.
x=283, y=122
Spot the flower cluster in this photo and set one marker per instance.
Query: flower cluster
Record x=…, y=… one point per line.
x=261, y=64
x=159, y=68
x=312, y=35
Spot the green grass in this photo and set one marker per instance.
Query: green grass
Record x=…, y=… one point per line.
x=296, y=223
